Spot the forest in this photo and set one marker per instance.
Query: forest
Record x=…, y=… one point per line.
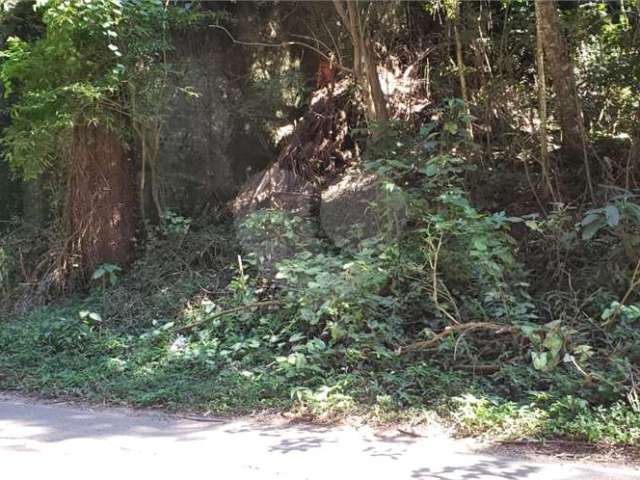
x=395, y=210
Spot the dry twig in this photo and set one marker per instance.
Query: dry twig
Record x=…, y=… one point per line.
x=459, y=328
x=227, y=312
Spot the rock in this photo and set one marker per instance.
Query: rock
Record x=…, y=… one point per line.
x=276, y=187
x=356, y=207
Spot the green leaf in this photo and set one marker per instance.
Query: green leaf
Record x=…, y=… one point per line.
x=592, y=228
x=613, y=215
x=634, y=209
x=430, y=170
x=540, y=360
x=584, y=351
x=553, y=342
x=533, y=225
x=99, y=273
x=480, y=244
x=631, y=312
x=528, y=330
x=451, y=127
x=590, y=218
x=610, y=311
x=428, y=128
x=296, y=337
x=337, y=332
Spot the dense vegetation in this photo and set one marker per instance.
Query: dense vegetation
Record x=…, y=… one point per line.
x=450, y=221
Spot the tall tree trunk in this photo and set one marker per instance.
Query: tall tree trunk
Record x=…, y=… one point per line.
x=365, y=69
x=101, y=202
x=542, y=106
x=562, y=76
x=459, y=57
x=633, y=160
x=464, y=92
x=375, y=88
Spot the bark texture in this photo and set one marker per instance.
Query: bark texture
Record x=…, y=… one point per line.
x=542, y=105
x=562, y=76
x=365, y=68
x=101, y=201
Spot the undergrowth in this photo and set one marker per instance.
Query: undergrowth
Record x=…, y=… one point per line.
x=433, y=314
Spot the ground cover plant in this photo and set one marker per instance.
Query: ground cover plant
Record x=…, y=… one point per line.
x=425, y=241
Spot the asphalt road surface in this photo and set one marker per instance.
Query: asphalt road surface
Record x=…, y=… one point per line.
x=48, y=441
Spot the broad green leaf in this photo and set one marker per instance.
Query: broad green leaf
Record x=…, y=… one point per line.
x=592, y=228
x=589, y=219
x=613, y=215
x=99, y=273
x=451, y=127
x=540, y=360
x=553, y=342
x=533, y=225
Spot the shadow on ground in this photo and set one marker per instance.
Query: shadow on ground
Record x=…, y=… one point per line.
x=282, y=450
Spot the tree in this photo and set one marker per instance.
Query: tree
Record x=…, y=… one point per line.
x=72, y=112
x=542, y=105
x=365, y=67
x=556, y=54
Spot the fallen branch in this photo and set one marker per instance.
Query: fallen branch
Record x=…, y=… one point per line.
x=229, y=311
x=481, y=368
x=459, y=328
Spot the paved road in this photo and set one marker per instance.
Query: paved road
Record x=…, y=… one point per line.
x=59, y=441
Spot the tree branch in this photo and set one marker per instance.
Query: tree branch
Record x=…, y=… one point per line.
x=281, y=45
x=463, y=327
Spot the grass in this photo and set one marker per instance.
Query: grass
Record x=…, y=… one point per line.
x=54, y=352
x=126, y=344
x=545, y=417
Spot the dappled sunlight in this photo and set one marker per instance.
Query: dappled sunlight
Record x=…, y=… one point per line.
x=415, y=215
x=267, y=447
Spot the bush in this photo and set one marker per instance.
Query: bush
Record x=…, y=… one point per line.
x=566, y=416
x=298, y=322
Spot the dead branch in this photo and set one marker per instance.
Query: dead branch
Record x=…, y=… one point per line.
x=229, y=311
x=433, y=264
x=282, y=44
x=459, y=328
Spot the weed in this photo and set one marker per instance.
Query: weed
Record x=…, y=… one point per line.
x=297, y=323
x=566, y=416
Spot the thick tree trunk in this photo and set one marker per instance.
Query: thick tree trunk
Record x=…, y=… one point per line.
x=101, y=202
x=562, y=76
x=365, y=69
